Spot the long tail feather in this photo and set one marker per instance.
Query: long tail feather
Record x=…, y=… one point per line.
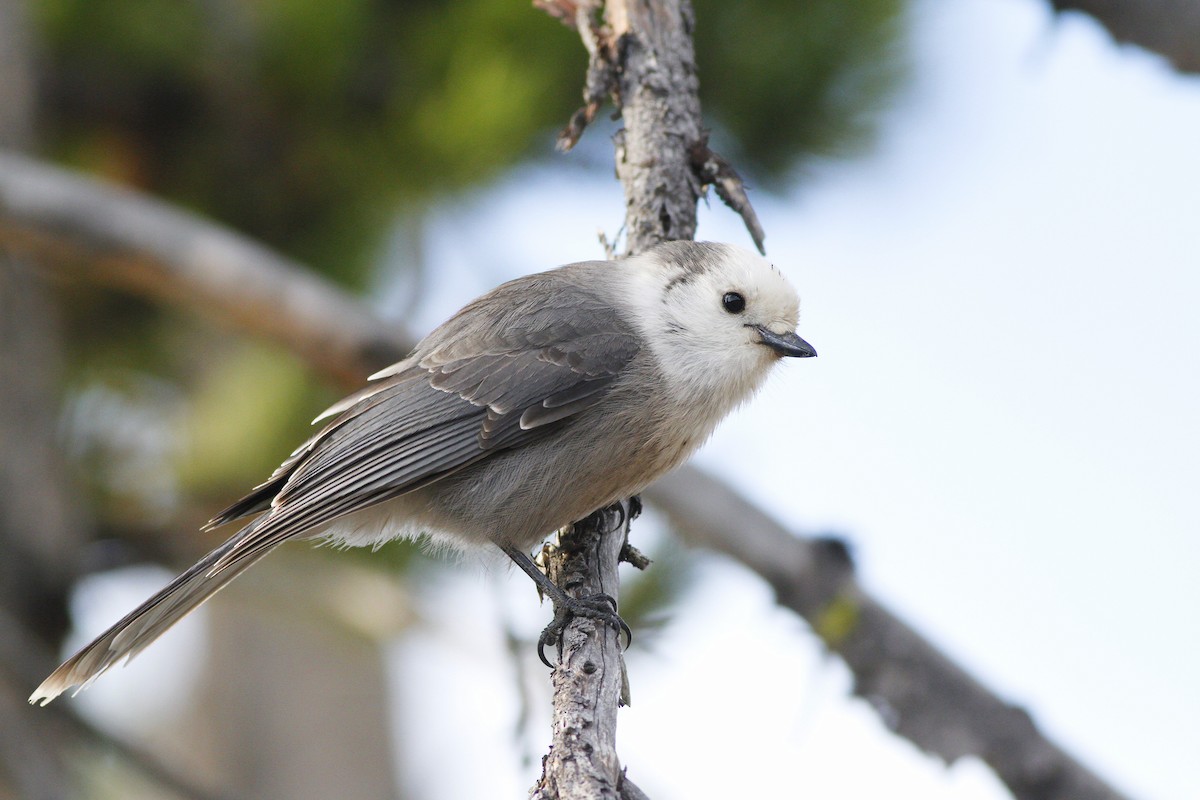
x=148, y=621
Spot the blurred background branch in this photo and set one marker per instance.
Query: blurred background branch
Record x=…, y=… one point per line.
x=919, y=692
x=1168, y=27
x=116, y=237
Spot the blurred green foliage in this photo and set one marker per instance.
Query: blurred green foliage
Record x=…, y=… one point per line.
x=312, y=125
x=308, y=125
x=786, y=80
x=315, y=126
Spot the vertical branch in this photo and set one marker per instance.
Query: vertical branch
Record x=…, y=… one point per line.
x=642, y=54
x=658, y=93
x=589, y=676
x=16, y=75
x=41, y=526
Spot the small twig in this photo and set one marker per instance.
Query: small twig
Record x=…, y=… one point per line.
x=629, y=554
x=634, y=557
x=610, y=247
x=562, y=10
x=629, y=790
x=600, y=81
x=714, y=170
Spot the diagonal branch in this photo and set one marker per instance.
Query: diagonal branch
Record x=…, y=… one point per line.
x=125, y=239
x=932, y=701
x=716, y=171
x=922, y=695
x=601, y=78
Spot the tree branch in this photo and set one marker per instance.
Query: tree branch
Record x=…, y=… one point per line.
x=601, y=78
x=120, y=237
x=659, y=99
x=720, y=174
x=588, y=681
x=1168, y=27
x=920, y=693
x=642, y=55
x=948, y=713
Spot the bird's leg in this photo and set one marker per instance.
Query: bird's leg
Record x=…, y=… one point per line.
x=601, y=606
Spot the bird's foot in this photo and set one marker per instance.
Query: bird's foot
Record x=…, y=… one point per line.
x=599, y=607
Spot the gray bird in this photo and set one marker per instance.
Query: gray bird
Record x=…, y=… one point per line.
x=545, y=399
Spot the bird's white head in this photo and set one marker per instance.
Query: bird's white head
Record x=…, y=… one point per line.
x=716, y=316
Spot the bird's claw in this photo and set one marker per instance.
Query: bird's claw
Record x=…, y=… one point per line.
x=600, y=607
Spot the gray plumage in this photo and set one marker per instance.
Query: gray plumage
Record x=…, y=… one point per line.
x=547, y=398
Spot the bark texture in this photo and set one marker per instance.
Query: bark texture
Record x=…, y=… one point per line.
x=589, y=677
x=658, y=95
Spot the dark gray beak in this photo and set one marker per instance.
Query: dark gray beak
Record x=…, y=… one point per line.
x=786, y=344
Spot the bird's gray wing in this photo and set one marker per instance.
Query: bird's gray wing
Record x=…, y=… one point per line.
x=439, y=415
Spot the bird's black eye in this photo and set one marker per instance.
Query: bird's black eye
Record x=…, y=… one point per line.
x=733, y=302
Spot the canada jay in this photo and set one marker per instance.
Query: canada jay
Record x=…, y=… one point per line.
x=545, y=399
